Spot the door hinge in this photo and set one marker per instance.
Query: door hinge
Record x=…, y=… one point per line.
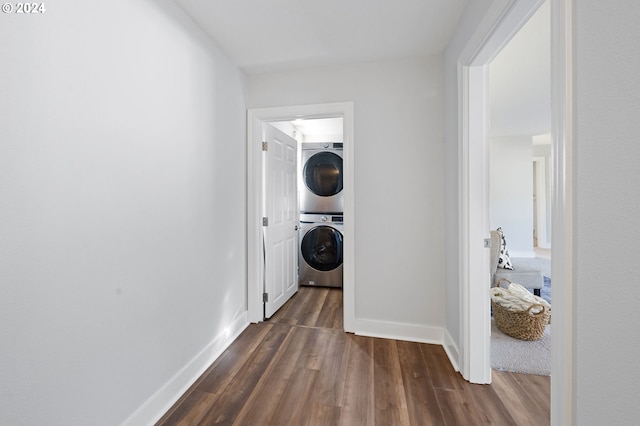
x=487, y=242
x=265, y=297
x=265, y=221
x=265, y=146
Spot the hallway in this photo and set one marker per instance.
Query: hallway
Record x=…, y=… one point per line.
x=301, y=368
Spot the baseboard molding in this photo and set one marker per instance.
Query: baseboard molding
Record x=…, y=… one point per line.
x=164, y=398
x=411, y=333
x=400, y=331
x=452, y=351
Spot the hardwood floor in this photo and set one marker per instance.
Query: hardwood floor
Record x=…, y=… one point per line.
x=300, y=368
x=312, y=307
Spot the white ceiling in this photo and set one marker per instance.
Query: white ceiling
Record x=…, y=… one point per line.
x=320, y=127
x=276, y=35
x=279, y=35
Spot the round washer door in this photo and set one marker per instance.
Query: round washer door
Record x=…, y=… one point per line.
x=323, y=174
x=321, y=248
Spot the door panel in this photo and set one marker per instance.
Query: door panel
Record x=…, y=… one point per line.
x=281, y=208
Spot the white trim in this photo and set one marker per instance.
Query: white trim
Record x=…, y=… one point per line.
x=399, y=331
x=410, y=333
x=164, y=398
x=482, y=39
x=463, y=227
x=255, y=274
x=254, y=172
x=540, y=164
x=563, y=403
x=451, y=348
x=501, y=22
x=474, y=190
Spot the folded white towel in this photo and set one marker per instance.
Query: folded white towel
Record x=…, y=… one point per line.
x=517, y=298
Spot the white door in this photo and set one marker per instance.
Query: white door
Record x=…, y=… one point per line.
x=281, y=214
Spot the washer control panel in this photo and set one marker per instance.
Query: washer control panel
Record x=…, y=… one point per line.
x=314, y=218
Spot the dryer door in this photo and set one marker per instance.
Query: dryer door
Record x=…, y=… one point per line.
x=321, y=248
x=323, y=174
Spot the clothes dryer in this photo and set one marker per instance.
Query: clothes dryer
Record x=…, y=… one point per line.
x=322, y=177
x=321, y=248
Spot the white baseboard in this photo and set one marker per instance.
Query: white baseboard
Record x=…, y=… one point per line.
x=399, y=331
x=411, y=333
x=452, y=351
x=164, y=398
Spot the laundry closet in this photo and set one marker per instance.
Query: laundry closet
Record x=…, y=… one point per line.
x=321, y=201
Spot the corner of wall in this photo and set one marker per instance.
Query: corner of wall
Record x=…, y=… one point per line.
x=452, y=351
x=163, y=399
x=411, y=333
x=399, y=331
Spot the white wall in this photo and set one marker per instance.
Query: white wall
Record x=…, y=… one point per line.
x=398, y=177
x=607, y=231
x=122, y=205
x=511, y=191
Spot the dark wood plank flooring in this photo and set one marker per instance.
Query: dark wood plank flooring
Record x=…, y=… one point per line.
x=300, y=368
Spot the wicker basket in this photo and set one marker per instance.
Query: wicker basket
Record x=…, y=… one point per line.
x=524, y=325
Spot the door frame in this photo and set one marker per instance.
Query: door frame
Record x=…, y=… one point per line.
x=563, y=356
x=503, y=19
x=540, y=183
x=255, y=118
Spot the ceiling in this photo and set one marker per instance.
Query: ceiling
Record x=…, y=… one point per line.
x=313, y=129
x=278, y=35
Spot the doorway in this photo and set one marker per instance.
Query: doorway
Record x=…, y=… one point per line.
x=255, y=199
x=502, y=20
x=473, y=82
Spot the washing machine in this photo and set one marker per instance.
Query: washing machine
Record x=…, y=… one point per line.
x=321, y=178
x=321, y=248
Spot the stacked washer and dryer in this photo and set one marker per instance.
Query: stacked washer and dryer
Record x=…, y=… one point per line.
x=321, y=215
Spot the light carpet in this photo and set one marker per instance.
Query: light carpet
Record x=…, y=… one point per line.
x=521, y=356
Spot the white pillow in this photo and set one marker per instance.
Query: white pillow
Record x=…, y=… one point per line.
x=503, y=258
